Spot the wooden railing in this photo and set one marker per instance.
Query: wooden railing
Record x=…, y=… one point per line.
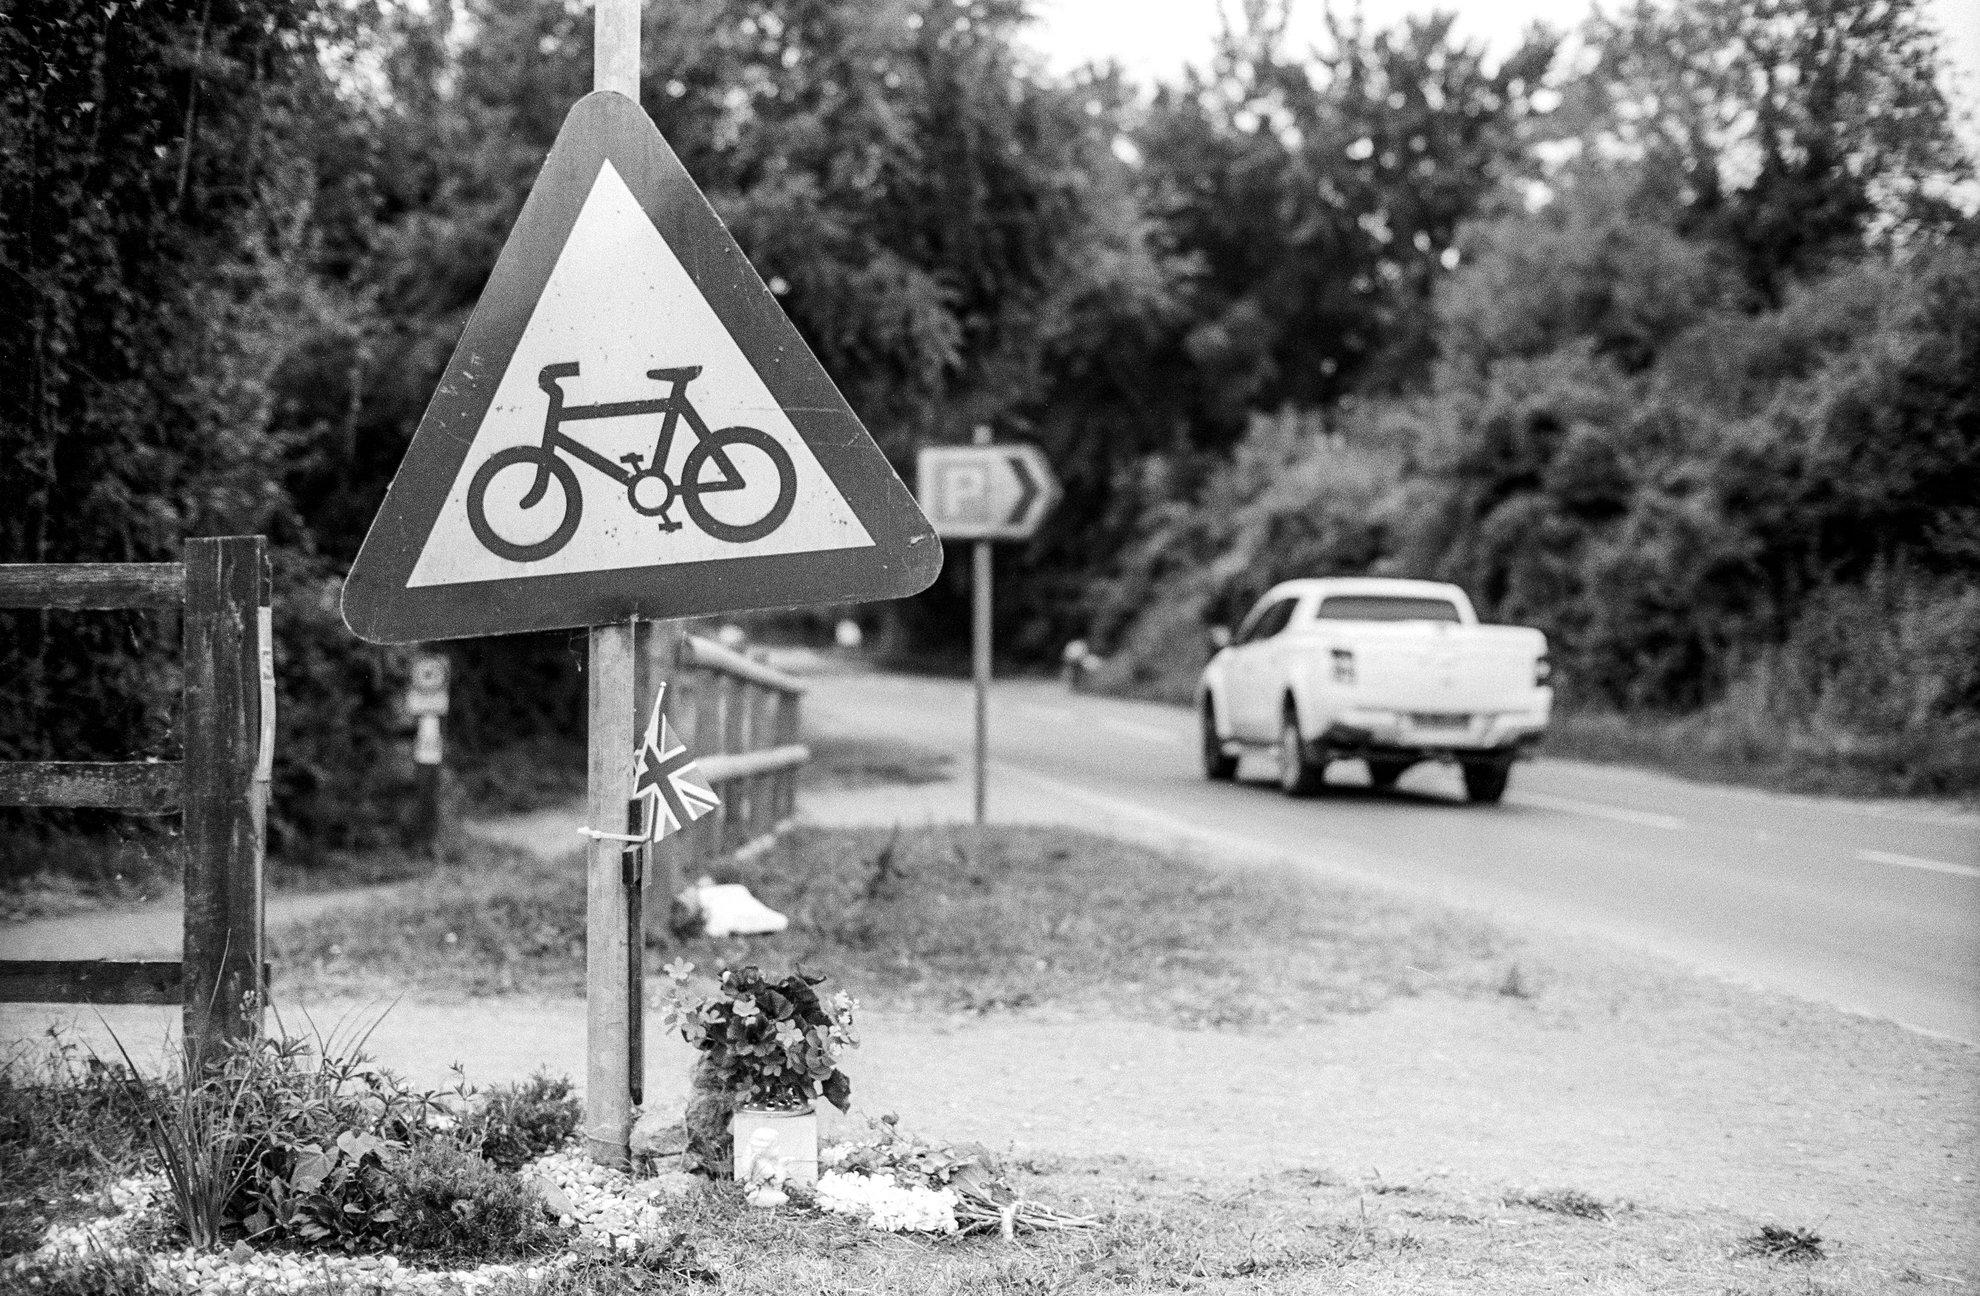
x=219, y=788
x=740, y=718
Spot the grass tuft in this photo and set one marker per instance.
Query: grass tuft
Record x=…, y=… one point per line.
x=1562, y=1201
x=455, y=1207
x=1515, y=985
x=513, y=1124
x=1775, y=1242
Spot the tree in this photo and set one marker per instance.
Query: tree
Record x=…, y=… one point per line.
x=1789, y=131
x=158, y=175
x=1320, y=201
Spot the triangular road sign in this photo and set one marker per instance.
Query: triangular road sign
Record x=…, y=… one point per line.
x=629, y=427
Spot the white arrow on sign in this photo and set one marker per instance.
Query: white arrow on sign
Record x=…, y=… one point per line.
x=993, y=492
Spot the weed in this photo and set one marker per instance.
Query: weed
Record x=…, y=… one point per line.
x=197, y=1134
x=513, y=1124
x=452, y=1206
x=1562, y=1201
x=1795, y=1245
x=1515, y=986
x=883, y=869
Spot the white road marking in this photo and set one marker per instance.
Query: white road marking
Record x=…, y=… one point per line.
x=1596, y=810
x=1915, y=862
x=1135, y=729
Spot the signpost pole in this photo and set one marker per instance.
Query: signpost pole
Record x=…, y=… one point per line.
x=980, y=594
x=608, y=1005
x=607, y=911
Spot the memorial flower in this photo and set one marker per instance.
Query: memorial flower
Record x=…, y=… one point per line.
x=768, y=1043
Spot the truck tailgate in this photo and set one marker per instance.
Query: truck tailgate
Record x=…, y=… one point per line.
x=1441, y=669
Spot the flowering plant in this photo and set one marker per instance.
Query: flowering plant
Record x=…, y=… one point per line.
x=768, y=1043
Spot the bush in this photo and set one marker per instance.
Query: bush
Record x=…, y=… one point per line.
x=515, y=1124
x=452, y=1205
x=284, y=1140
x=296, y=1141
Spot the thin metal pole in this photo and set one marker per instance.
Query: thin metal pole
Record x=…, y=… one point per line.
x=608, y=1005
x=980, y=592
x=615, y=51
x=608, y=988
x=981, y=580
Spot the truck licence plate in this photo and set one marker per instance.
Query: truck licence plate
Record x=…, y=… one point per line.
x=1440, y=719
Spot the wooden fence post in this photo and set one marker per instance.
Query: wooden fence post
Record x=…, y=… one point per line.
x=227, y=724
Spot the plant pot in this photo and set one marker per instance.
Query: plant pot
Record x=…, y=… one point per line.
x=783, y=1139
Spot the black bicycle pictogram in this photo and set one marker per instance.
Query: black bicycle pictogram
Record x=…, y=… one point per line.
x=649, y=489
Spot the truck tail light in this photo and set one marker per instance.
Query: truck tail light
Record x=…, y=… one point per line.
x=1343, y=666
x=1543, y=670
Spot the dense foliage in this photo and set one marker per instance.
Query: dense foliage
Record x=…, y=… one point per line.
x=1669, y=349
x=292, y=1142
x=770, y=1043
x=1704, y=409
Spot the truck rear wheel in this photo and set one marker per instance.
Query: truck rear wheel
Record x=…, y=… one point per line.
x=1382, y=774
x=1485, y=781
x=1217, y=766
x=1299, y=775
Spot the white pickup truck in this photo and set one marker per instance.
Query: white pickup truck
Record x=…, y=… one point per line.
x=1390, y=672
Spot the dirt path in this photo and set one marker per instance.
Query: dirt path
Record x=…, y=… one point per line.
x=156, y=930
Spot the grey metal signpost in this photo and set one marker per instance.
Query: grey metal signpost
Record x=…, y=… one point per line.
x=984, y=492
x=629, y=430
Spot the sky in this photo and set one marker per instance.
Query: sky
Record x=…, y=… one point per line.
x=1155, y=38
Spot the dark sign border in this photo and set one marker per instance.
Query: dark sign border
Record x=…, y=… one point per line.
x=904, y=558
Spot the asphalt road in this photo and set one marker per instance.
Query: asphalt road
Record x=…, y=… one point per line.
x=1872, y=906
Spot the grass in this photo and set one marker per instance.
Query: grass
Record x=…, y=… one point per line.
x=841, y=761
x=1730, y=746
x=1301, y=1231
x=48, y=871
x=1046, y=917
x=67, y=1129
x=1562, y=1201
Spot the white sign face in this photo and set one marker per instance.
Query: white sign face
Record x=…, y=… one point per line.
x=426, y=692
x=629, y=430
x=987, y=492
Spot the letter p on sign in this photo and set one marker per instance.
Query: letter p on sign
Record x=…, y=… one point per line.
x=965, y=490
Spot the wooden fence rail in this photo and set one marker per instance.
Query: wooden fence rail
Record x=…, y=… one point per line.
x=219, y=788
x=740, y=718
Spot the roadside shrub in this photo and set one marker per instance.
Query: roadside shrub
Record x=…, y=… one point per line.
x=285, y=1140
x=298, y=1141
x=321, y=1127
x=514, y=1124
x=453, y=1205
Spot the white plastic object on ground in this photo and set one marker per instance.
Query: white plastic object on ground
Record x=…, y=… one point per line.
x=728, y=909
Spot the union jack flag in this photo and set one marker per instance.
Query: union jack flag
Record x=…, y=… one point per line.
x=666, y=776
